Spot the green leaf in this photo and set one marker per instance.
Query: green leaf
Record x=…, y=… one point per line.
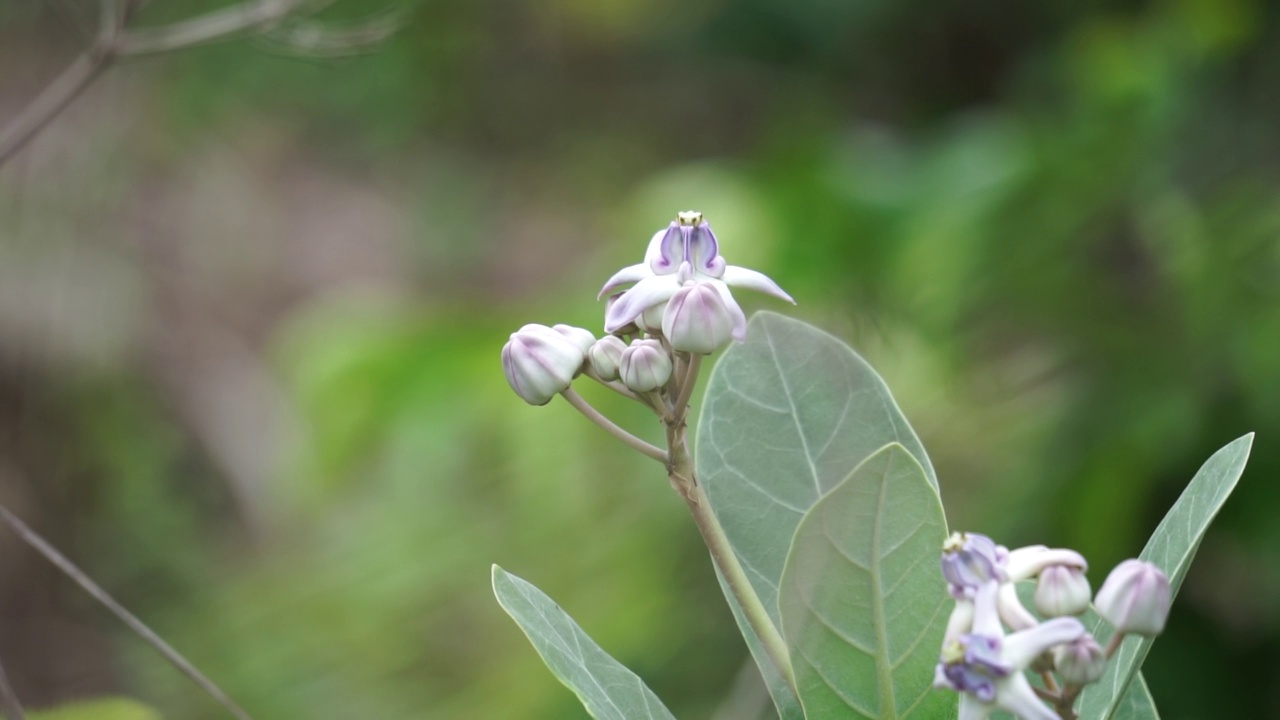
x=864, y=607
x=1171, y=548
x=607, y=689
x=1137, y=703
x=788, y=414
x=99, y=709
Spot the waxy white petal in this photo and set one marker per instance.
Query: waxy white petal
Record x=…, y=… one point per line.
x=752, y=280
x=1016, y=696
x=625, y=276
x=1022, y=647
x=647, y=293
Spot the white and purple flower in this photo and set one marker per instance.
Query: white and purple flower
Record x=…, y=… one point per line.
x=986, y=666
x=685, y=254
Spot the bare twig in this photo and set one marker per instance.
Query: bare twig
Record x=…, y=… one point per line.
x=9, y=700
x=211, y=27
x=65, y=88
x=40, y=545
x=114, y=41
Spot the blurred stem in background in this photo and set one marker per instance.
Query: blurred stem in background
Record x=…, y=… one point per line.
x=115, y=40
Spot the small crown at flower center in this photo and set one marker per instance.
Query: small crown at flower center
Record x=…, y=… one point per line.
x=689, y=217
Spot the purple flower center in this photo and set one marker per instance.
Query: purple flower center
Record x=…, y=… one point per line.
x=693, y=243
x=977, y=671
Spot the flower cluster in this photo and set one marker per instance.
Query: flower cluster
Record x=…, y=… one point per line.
x=987, y=665
x=679, y=306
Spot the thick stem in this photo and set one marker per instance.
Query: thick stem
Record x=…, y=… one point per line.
x=175, y=658
x=594, y=415
x=681, y=473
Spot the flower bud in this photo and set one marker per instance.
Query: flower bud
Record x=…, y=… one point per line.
x=697, y=319
x=605, y=355
x=1135, y=598
x=540, y=362
x=1062, y=590
x=1080, y=661
x=970, y=560
x=651, y=319
x=645, y=366
x=578, y=336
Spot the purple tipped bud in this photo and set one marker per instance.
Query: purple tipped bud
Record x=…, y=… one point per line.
x=605, y=356
x=578, y=336
x=645, y=366
x=1135, y=598
x=970, y=560
x=1080, y=661
x=697, y=319
x=1062, y=590
x=540, y=362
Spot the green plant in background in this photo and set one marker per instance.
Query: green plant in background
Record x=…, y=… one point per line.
x=823, y=519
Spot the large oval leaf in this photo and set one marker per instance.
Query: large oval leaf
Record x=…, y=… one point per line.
x=607, y=689
x=788, y=414
x=1171, y=548
x=864, y=607
x=1137, y=703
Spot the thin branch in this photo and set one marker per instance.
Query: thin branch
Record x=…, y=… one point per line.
x=594, y=415
x=9, y=699
x=687, y=383
x=65, y=88
x=612, y=385
x=175, y=658
x=207, y=28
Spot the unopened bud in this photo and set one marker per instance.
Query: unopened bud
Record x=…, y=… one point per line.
x=651, y=319
x=605, y=355
x=1080, y=661
x=1135, y=598
x=645, y=366
x=1062, y=590
x=578, y=336
x=697, y=319
x=540, y=362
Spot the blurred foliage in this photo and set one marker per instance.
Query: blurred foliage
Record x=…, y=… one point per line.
x=1052, y=227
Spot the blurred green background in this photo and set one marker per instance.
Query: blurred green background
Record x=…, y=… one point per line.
x=251, y=307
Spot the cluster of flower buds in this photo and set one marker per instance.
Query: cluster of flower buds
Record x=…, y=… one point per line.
x=987, y=665
x=679, y=305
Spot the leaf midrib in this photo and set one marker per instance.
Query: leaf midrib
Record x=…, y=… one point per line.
x=884, y=673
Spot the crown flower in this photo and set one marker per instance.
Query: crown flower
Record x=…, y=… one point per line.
x=685, y=254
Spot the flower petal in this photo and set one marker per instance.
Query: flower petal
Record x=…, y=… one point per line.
x=973, y=709
x=1012, y=611
x=629, y=274
x=1016, y=696
x=986, y=621
x=647, y=293
x=752, y=280
x=666, y=249
x=1022, y=647
x=961, y=621
x=704, y=251
x=1027, y=562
